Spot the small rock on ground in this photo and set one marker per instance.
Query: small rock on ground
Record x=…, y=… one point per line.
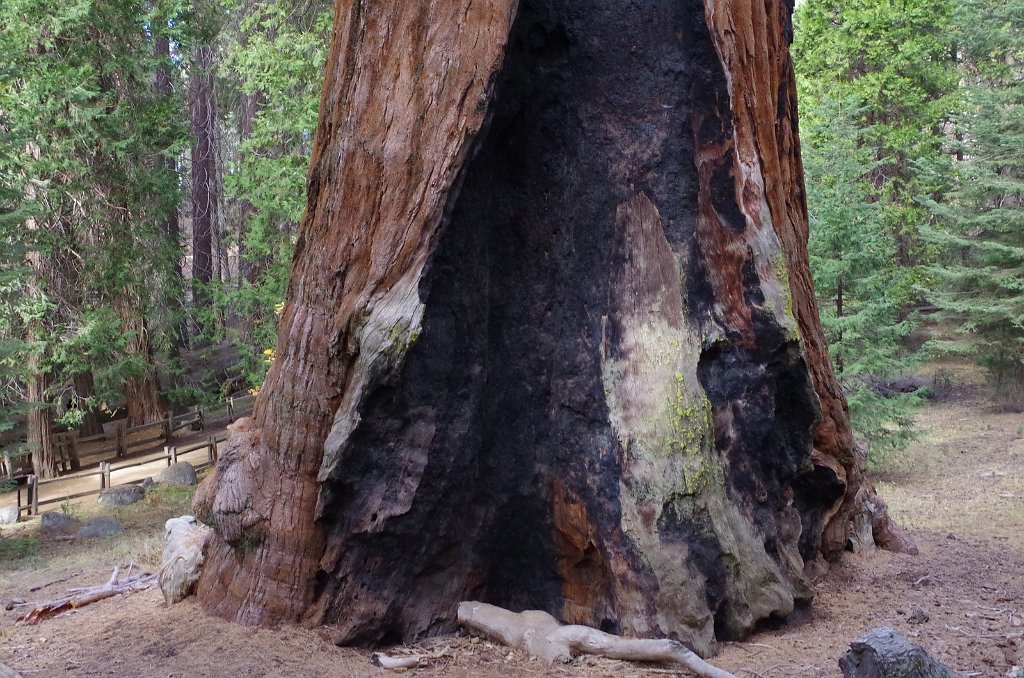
x=8, y=515
x=886, y=653
x=102, y=526
x=180, y=473
x=918, y=616
x=122, y=495
x=56, y=520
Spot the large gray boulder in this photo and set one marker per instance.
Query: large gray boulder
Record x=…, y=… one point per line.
x=56, y=521
x=885, y=653
x=103, y=526
x=122, y=495
x=180, y=473
x=8, y=515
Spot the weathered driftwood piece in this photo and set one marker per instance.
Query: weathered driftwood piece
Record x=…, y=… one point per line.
x=398, y=663
x=539, y=634
x=405, y=662
x=82, y=596
x=885, y=653
x=184, y=553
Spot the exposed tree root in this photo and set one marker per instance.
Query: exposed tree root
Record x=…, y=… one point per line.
x=80, y=597
x=540, y=634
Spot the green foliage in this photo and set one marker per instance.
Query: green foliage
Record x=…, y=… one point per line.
x=15, y=550
x=875, y=85
x=85, y=191
x=278, y=58
x=980, y=282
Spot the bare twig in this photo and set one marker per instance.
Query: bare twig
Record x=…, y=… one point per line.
x=55, y=581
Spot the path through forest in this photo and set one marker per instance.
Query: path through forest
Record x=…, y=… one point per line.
x=960, y=489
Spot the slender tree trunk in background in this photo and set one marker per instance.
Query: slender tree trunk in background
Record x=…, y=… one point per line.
x=172, y=227
x=220, y=270
x=86, y=388
x=204, y=169
x=839, y=314
x=607, y=396
x=40, y=426
x=249, y=105
x=142, y=393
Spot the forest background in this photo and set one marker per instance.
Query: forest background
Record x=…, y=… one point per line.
x=152, y=176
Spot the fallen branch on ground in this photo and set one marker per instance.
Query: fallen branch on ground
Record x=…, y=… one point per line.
x=80, y=597
x=411, y=661
x=398, y=663
x=539, y=634
x=55, y=581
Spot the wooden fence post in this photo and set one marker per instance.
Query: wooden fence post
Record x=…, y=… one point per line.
x=105, y=481
x=76, y=462
x=174, y=455
x=202, y=419
x=33, y=495
x=168, y=426
x=231, y=410
x=122, y=447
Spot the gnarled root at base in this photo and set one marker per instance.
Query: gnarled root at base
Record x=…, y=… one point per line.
x=539, y=634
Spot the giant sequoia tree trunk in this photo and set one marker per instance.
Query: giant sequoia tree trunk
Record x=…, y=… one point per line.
x=550, y=340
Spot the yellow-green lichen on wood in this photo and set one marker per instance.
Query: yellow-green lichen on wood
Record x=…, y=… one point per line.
x=663, y=420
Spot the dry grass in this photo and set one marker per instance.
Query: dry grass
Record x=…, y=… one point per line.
x=965, y=474
x=24, y=548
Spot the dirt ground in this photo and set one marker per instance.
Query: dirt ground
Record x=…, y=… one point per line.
x=960, y=489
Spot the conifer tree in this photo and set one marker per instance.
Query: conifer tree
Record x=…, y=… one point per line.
x=79, y=99
x=980, y=283
x=876, y=84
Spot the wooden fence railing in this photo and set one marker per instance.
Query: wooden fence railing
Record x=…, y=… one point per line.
x=170, y=455
x=125, y=441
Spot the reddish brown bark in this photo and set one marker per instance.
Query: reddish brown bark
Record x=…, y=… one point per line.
x=752, y=40
x=141, y=393
x=204, y=169
x=40, y=427
x=85, y=388
x=264, y=493
x=571, y=364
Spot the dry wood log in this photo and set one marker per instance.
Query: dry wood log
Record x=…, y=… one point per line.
x=540, y=635
x=82, y=596
x=398, y=663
